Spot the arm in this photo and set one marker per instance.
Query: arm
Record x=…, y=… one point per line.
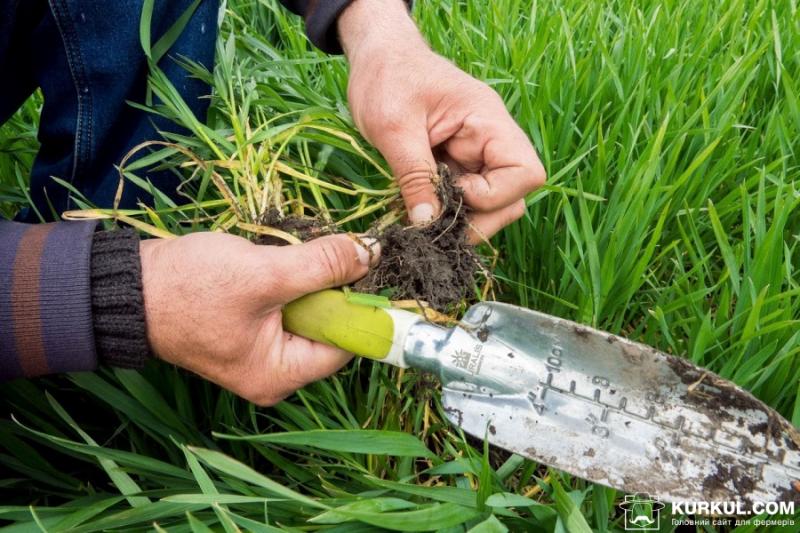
x=411, y=103
x=69, y=297
x=208, y=302
x=320, y=17
x=45, y=304
x=213, y=306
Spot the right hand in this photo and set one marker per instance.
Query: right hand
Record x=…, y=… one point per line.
x=213, y=306
x=411, y=103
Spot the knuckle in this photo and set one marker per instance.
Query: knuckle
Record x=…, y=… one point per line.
x=294, y=376
x=516, y=211
x=392, y=125
x=536, y=176
x=265, y=401
x=393, y=120
x=473, y=124
x=257, y=393
x=334, y=260
x=479, y=89
x=416, y=181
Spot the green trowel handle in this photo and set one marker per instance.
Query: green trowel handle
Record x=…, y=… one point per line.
x=328, y=317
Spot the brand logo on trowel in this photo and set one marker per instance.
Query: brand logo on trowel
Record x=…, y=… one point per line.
x=642, y=512
x=469, y=361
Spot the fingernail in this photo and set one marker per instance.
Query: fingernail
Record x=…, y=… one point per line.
x=421, y=214
x=368, y=250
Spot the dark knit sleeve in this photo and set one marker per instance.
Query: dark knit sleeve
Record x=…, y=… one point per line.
x=320, y=17
x=117, y=299
x=45, y=298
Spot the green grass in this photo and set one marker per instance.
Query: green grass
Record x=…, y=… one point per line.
x=670, y=132
x=18, y=146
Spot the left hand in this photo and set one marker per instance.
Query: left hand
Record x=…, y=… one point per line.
x=213, y=306
x=411, y=103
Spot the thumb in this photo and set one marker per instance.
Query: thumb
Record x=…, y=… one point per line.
x=409, y=155
x=323, y=263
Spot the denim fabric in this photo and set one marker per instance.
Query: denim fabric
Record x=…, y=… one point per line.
x=86, y=57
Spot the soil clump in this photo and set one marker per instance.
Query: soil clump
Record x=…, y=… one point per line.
x=304, y=228
x=432, y=263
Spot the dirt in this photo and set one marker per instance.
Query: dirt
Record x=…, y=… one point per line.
x=432, y=263
x=581, y=333
x=303, y=228
x=790, y=494
x=726, y=475
x=711, y=392
x=717, y=397
x=457, y=412
x=766, y=428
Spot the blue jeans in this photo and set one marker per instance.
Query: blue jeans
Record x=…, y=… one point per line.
x=86, y=57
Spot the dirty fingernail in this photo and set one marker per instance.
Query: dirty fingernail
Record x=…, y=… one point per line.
x=421, y=214
x=368, y=250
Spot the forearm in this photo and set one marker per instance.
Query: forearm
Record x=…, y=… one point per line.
x=69, y=297
x=371, y=27
x=45, y=304
x=321, y=18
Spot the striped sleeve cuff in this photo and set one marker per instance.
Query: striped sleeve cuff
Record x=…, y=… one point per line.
x=321, y=19
x=45, y=300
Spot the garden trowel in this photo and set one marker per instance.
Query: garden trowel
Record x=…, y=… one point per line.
x=584, y=401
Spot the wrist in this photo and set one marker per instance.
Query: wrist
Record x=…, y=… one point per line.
x=371, y=28
x=149, y=257
x=118, y=314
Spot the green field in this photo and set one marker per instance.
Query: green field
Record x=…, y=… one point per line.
x=670, y=132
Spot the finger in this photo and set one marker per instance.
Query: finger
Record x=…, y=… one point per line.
x=320, y=264
x=408, y=152
x=484, y=225
x=283, y=363
x=306, y=361
x=509, y=166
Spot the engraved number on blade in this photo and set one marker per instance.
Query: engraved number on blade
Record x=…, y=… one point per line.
x=554, y=360
x=597, y=428
x=600, y=380
x=538, y=406
x=624, y=412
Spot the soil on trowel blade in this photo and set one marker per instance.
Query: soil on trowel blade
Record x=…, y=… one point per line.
x=432, y=263
x=715, y=397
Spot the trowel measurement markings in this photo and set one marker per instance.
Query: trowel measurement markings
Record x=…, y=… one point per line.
x=600, y=427
x=597, y=428
x=554, y=359
x=621, y=407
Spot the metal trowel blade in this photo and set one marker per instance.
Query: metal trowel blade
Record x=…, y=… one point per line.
x=612, y=411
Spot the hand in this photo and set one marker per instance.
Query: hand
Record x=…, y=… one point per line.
x=411, y=104
x=213, y=306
